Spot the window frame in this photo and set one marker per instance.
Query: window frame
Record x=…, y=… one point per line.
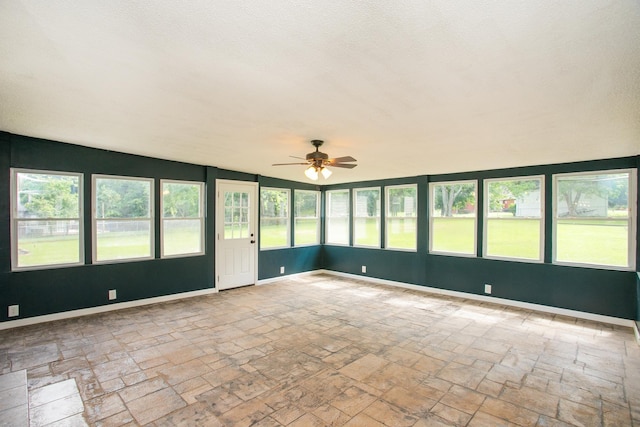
x=432, y=186
x=201, y=217
x=355, y=217
x=387, y=217
x=485, y=225
x=327, y=217
x=94, y=219
x=287, y=218
x=631, y=219
x=317, y=217
x=14, y=218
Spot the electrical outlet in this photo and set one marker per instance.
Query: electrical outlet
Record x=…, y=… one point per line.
x=14, y=310
x=112, y=294
x=364, y=268
x=487, y=289
x=282, y=270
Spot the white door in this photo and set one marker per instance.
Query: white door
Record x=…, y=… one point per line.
x=236, y=233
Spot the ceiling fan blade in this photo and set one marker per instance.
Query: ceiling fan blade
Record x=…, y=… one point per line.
x=343, y=165
x=342, y=159
x=285, y=164
x=296, y=157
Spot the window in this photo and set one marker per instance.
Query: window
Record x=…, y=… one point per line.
x=122, y=218
x=46, y=219
x=453, y=217
x=307, y=218
x=514, y=225
x=274, y=218
x=401, y=225
x=366, y=217
x=594, y=218
x=182, y=227
x=337, y=217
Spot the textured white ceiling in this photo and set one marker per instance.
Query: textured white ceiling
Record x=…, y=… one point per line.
x=407, y=88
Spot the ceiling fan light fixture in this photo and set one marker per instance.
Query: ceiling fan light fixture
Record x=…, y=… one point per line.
x=326, y=173
x=311, y=173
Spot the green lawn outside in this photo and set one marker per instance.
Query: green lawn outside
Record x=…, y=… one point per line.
x=592, y=242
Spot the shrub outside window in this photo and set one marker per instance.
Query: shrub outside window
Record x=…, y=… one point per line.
x=274, y=218
x=402, y=217
x=182, y=218
x=594, y=219
x=46, y=211
x=453, y=217
x=366, y=217
x=337, y=217
x=514, y=226
x=307, y=217
x=122, y=218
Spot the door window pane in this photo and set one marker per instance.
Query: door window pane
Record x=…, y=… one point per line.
x=236, y=213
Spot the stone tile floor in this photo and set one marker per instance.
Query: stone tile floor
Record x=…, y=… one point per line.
x=321, y=350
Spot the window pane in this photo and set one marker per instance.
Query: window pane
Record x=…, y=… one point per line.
x=274, y=218
x=337, y=220
x=366, y=223
x=47, y=196
x=401, y=218
x=514, y=238
x=123, y=239
x=46, y=223
x=306, y=230
x=338, y=230
x=366, y=231
x=180, y=200
x=48, y=242
x=401, y=233
x=514, y=212
x=453, y=217
x=273, y=232
x=122, y=198
x=593, y=219
x=182, y=236
x=593, y=242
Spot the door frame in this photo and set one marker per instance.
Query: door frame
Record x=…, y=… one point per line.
x=254, y=226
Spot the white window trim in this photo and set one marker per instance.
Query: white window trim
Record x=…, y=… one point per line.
x=317, y=218
x=387, y=217
x=94, y=219
x=379, y=217
x=327, y=217
x=13, y=213
x=631, y=240
x=201, y=217
x=540, y=260
x=432, y=185
x=288, y=218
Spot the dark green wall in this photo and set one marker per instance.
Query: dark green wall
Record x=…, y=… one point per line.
x=47, y=291
x=598, y=291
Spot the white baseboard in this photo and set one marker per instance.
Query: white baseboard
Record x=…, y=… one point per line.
x=287, y=276
x=529, y=306
x=103, y=309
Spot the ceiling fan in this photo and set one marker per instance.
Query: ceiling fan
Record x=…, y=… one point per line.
x=318, y=161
